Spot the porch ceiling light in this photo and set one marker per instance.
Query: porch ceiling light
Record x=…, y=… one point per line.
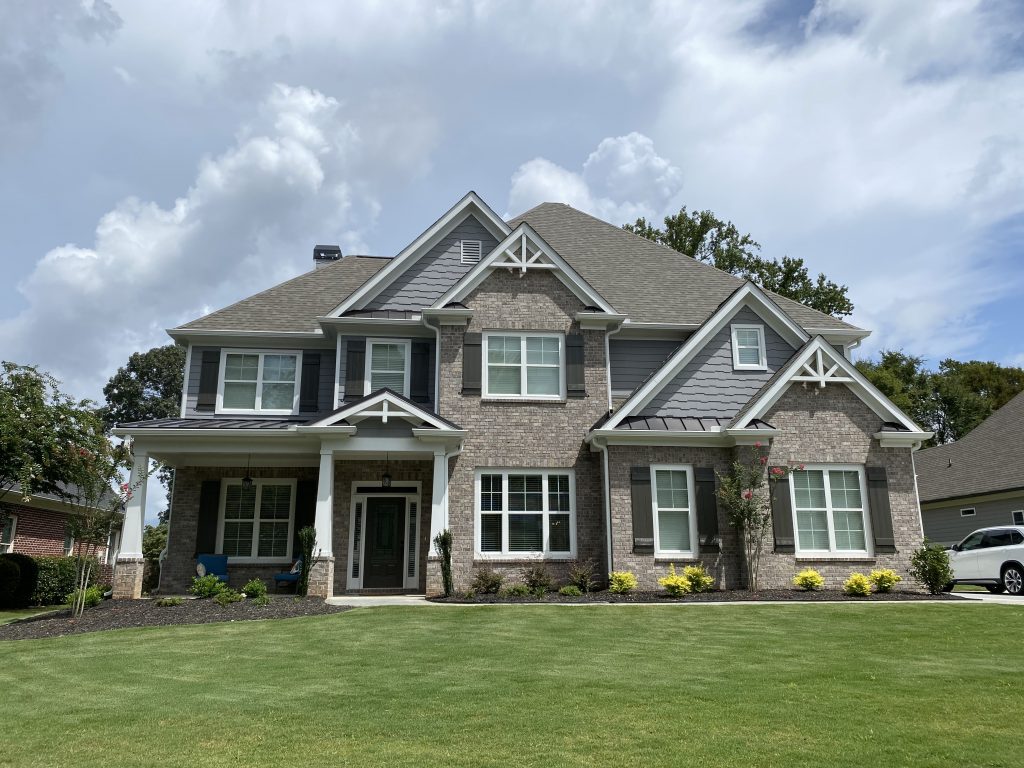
x=247, y=481
x=385, y=479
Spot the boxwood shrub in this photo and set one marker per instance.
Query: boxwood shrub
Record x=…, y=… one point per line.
x=57, y=579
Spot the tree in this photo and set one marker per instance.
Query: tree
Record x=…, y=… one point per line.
x=147, y=387
x=904, y=379
x=703, y=236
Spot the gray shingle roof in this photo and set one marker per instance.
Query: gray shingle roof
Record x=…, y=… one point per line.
x=988, y=459
x=294, y=304
x=212, y=424
x=14, y=495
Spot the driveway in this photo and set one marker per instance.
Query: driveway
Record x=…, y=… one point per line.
x=988, y=597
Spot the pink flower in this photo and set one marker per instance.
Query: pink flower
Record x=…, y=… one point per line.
x=748, y=495
x=764, y=460
x=757, y=445
x=125, y=486
x=778, y=471
x=801, y=467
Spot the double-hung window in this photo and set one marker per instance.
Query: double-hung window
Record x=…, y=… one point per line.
x=674, y=519
x=526, y=513
x=259, y=382
x=748, y=350
x=387, y=366
x=10, y=523
x=828, y=503
x=256, y=521
x=524, y=365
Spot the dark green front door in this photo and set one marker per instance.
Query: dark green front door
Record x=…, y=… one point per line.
x=384, y=542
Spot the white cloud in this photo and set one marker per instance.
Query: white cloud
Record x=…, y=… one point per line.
x=248, y=220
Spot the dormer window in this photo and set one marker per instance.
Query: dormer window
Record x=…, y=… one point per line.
x=748, y=352
x=257, y=382
x=471, y=251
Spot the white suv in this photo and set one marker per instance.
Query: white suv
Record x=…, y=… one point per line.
x=991, y=557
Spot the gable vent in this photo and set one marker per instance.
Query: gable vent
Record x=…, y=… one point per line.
x=471, y=251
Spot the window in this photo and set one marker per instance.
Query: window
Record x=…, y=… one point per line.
x=748, y=351
x=470, y=251
x=259, y=382
x=1018, y=517
x=69, y=543
x=1001, y=538
x=968, y=512
x=526, y=513
x=256, y=522
x=828, y=503
x=10, y=523
x=388, y=366
x=972, y=542
x=524, y=366
x=673, y=504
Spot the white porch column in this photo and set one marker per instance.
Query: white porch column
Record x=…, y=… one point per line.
x=135, y=509
x=439, y=498
x=324, y=520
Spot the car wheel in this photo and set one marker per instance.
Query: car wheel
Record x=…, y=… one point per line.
x=995, y=589
x=1013, y=579
x=949, y=587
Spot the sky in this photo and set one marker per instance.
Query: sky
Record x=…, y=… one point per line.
x=161, y=160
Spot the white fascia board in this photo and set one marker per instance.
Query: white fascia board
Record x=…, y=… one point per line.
x=224, y=337
x=902, y=439
x=374, y=326
x=564, y=272
x=403, y=409
x=471, y=203
x=746, y=295
x=599, y=320
x=446, y=435
x=711, y=438
x=449, y=316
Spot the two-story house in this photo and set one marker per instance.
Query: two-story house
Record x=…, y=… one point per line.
x=548, y=388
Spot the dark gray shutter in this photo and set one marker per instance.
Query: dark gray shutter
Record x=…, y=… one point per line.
x=575, y=381
x=209, y=510
x=355, y=369
x=419, y=374
x=309, y=389
x=881, y=513
x=707, y=509
x=472, y=362
x=208, y=372
x=643, y=515
x=305, y=511
x=782, y=512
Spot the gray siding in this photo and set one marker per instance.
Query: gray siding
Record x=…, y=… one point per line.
x=708, y=385
x=945, y=525
x=633, y=360
x=431, y=376
x=326, y=401
x=436, y=271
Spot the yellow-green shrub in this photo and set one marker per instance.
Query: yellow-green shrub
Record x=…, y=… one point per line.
x=809, y=580
x=858, y=585
x=621, y=582
x=700, y=580
x=675, y=585
x=885, y=579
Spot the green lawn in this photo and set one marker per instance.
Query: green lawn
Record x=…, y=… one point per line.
x=841, y=685
x=8, y=616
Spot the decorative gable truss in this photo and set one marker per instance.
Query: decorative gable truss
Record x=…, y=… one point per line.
x=386, y=406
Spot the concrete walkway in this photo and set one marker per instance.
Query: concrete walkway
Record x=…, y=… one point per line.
x=988, y=597
x=370, y=601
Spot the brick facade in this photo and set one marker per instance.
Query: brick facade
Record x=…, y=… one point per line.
x=41, y=533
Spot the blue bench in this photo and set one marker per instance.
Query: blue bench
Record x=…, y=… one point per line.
x=288, y=577
x=214, y=565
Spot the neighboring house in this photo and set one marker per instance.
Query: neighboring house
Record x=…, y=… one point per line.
x=38, y=526
x=548, y=388
x=976, y=482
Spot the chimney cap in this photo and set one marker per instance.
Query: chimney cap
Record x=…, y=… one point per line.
x=326, y=252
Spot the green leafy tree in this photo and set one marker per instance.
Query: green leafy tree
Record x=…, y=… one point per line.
x=904, y=379
x=703, y=236
x=147, y=387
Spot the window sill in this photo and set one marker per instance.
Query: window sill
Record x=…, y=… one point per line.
x=256, y=413
x=834, y=557
x=683, y=557
x=519, y=557
x=522, y=400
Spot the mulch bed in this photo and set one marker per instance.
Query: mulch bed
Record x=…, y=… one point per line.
x=717, y=596
x=121, y=614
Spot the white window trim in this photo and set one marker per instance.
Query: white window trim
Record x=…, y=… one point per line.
x=69, y=545
x=505, y=554
x=258, y=483
x=691, y=499
x=832, y=552
x=523, y=335
x=257, y=411
x=9, y=547
x=968, y=512
x=762, y=352
x=406, y=343
x=360, y=500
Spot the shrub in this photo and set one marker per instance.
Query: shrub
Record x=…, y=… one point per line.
x=581, y=575
x=207, y=586
x=227, y=596
x=443, y=545
x=261, y=600
x=487, y=581
x=857, y=585
x=255, y=588
x=25, y=585
x=537, y=578
x=621, y=582
x=307, y=544
x=93, y=597
x=10, y=579
x=700, y=580
x=675, y=584
x=929, y=566
x=885, y=579
x=809, y=580
x=167, y=602
x=516, y=590
x=57, y=577
x=570, y=590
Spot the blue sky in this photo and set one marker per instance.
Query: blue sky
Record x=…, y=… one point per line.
x=161, y=160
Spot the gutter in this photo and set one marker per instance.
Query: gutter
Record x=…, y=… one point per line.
x=602, y=446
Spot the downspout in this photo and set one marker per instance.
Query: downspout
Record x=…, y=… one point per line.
x=437, y=364
x=917, y=496
x=602, y=445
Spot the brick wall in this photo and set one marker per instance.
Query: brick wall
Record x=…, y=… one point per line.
x=40, y=532
x=524, y=433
